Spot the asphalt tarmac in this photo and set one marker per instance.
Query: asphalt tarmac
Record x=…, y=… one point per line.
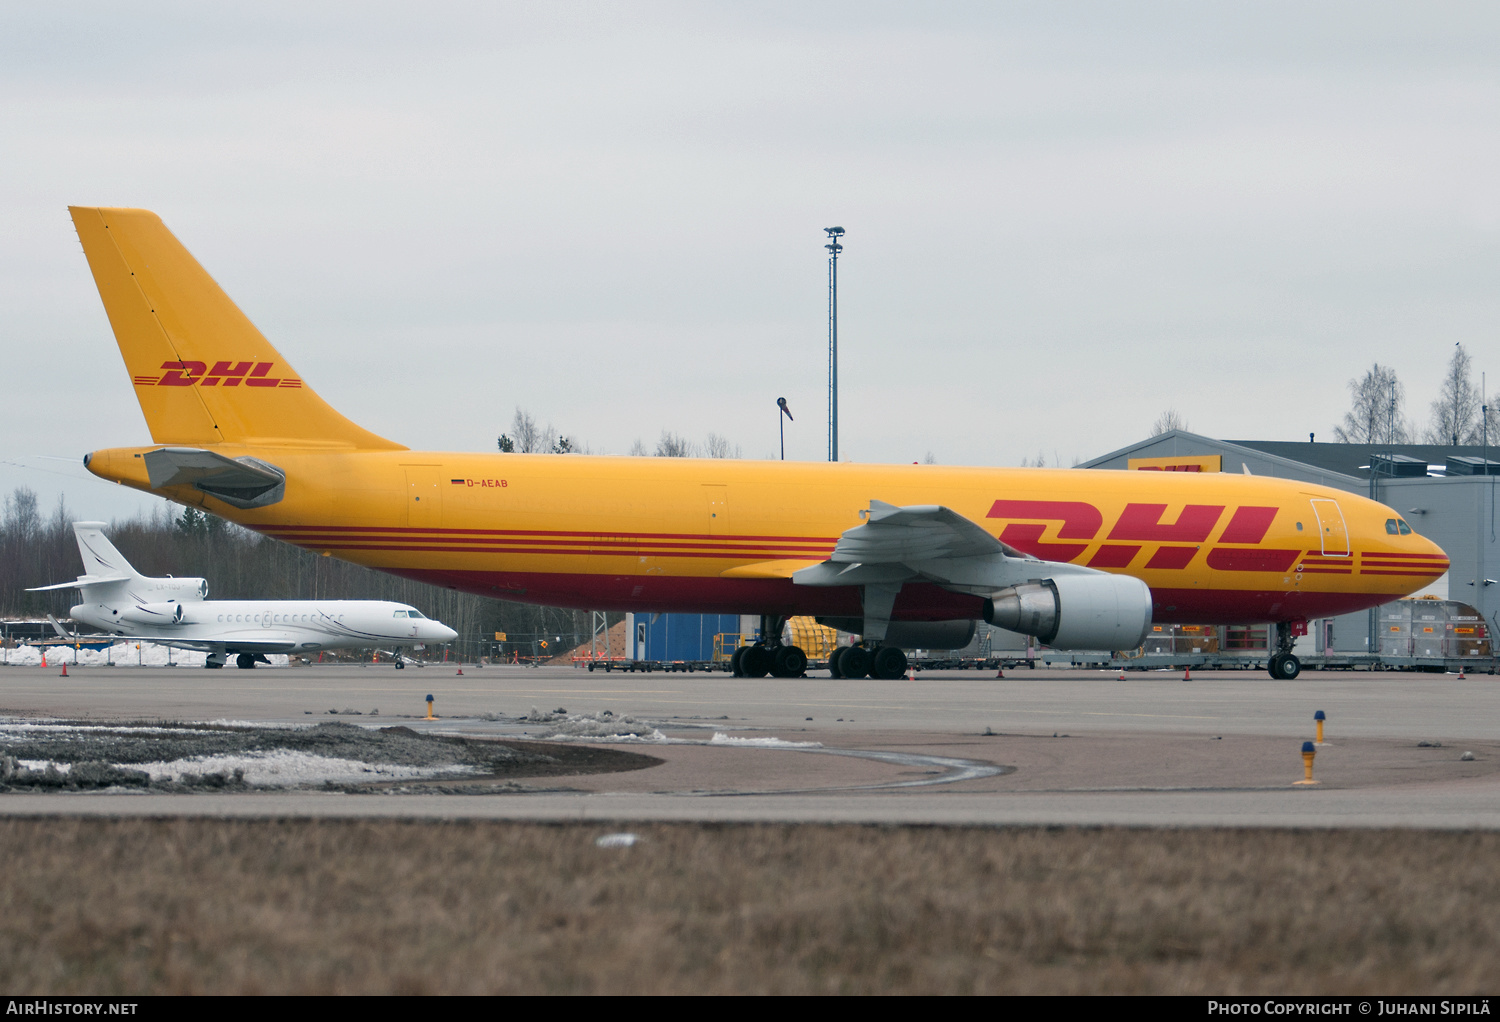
x=1034, y=747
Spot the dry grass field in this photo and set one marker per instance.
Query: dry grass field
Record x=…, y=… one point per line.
x=205, y=906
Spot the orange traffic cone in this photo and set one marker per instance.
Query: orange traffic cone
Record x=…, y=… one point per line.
x=44, y=658
x=1187, y=673
x=1122, y=676
x=1000, y=672
x=65, y=669
x=460, y=672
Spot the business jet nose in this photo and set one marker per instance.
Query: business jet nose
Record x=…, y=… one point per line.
x=442, y=633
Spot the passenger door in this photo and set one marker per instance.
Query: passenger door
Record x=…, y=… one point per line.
x=1331, y=528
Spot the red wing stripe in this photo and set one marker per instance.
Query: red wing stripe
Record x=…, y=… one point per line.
x=1408, y=574
x=1414, y=557
x=1328, y=571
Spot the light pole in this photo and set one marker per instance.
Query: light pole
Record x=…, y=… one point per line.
x=834, y=248
x=781, y=423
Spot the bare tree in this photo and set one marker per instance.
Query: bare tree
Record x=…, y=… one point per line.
x=719, y=447
x=638, y=449
x=1455, y=414
x=527, y=436
x=1377, y=416
x=1167, y=421
x=672, y=445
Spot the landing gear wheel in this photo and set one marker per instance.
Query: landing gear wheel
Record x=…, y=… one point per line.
x=889, y=663
x=734, y=662
x=855, y=663
x=1287, y=668
x=755, y=662
x=789, y=662
x=245, y=661
x=212, y=664
x=833, y=662
x=400, y=665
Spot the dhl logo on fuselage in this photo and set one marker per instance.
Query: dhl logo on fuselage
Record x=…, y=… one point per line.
x=1237, y=546
x=229, y=374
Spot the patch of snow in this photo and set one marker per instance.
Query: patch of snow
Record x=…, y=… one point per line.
x=616, y=840
x=121, y=654
x=284, y=768
x=720, y=738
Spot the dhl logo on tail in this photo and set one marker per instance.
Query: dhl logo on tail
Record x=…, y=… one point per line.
x=188, y=374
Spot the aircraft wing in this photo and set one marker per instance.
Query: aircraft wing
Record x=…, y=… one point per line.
x=927, y=543
x=241, y=482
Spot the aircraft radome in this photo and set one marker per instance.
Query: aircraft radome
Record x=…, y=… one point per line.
x=906, y=555
x=121, y=602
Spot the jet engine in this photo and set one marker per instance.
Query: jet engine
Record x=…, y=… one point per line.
x=169, y=613
x=1105, y=612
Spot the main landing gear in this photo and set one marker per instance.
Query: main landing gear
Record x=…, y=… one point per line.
x=1283, y=666
x=770, y=655
x=884, y=662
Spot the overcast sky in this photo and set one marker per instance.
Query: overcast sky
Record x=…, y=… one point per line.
x=1062, y=218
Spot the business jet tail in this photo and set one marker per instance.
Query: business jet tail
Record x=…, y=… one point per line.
x=203, y=373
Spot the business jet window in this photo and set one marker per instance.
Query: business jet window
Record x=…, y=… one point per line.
x=1405, y=529
x=414, y=613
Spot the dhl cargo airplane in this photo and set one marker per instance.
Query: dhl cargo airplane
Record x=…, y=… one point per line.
x=904, y=555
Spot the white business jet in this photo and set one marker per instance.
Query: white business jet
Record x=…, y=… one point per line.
x=121, y=602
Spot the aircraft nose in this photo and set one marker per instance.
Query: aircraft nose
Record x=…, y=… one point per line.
x=444, y=634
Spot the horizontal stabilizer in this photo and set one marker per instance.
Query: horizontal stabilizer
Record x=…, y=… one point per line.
x=80, y=582
x=239, y=482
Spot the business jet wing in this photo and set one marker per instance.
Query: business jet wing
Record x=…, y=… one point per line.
x=241, y=482
x=926, y=543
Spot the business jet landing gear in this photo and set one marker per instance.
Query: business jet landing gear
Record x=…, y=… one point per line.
x=1283, y=666
x=214, y=661
x=245, y=661
x=770, y=655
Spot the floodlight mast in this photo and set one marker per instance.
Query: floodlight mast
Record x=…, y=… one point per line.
x=834, y=248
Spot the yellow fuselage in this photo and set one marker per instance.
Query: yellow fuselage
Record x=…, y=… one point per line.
x=659, y=534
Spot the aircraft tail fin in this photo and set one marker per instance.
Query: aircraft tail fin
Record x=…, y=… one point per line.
x=202, y=372
x=100, y=558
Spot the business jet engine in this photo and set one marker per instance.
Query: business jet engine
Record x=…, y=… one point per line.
x=169, y=613
x=1104, y=612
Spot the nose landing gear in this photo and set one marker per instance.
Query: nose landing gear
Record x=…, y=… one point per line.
x=1283, y=666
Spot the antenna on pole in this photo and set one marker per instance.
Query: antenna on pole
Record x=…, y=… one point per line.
x=834, y=248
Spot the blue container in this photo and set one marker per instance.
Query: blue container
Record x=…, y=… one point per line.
x=673, y=637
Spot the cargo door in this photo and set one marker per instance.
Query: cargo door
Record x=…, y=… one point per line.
x=424, y=496
x=1331, y=528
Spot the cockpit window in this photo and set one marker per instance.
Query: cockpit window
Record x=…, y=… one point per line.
x=399, y=613
x=1391, y=527
x=1405, y=529
x=414, y=613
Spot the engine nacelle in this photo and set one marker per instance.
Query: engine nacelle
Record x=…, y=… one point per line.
x=169, y=613
x=162, y=590
x=913, y=634
x=1105, y=612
